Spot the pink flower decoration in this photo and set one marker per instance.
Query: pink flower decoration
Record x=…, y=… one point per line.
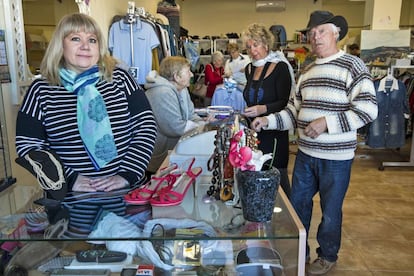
x=240, y=156
x=237, y=136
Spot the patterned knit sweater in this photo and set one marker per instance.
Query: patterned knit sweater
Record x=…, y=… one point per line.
x=339, y=88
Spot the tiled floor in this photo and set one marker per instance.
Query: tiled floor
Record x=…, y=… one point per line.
x=378, y=217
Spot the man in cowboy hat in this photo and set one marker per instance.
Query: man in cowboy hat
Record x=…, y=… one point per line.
x=334, y=97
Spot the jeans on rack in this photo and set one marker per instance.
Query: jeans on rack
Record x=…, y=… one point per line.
x=331, y=179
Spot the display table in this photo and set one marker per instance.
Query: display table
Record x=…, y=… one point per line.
x=201, y=237
x=284, y=233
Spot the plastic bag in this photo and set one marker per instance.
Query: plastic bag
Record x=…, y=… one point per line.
x=191, y=53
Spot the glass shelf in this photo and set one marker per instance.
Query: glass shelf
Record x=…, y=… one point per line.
x=216, y=213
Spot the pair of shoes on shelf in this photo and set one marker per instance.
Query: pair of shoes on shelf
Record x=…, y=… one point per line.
x=320, y=266
x=174, y=194
x=142, y=194
x=172, y=183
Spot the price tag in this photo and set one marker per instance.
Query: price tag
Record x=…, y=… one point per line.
x=134, y=71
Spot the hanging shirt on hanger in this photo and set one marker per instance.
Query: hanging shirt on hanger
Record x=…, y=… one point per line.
x=229, y=95
x=279, y=33
x=144, y=40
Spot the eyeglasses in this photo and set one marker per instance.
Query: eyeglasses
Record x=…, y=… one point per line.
x=318, y=31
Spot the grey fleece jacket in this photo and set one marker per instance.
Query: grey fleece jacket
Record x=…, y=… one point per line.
x=172, y=110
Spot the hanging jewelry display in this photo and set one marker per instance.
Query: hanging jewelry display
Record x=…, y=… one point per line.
x=251, y=138
x=219, y=188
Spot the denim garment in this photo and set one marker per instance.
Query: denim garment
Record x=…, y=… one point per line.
x=388, y=130
x=331, y=179
x=252, y=93
x=280, y=35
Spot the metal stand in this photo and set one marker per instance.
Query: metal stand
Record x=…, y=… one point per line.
x=401, y=164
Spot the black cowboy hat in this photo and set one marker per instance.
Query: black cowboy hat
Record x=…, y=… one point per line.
x=323, y=17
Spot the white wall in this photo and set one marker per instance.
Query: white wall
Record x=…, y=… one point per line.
x=234, y=15
x=217, y=17
x=385, y=16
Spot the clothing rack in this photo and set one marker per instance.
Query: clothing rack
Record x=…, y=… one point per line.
x=409, y=163
x=131, y=18
x=134, y=12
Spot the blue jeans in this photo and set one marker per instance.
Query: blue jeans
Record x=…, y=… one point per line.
x=331, y=179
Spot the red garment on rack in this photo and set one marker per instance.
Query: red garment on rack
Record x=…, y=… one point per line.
x=213, y=77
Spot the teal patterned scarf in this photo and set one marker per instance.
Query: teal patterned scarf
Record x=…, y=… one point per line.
x=93, y=121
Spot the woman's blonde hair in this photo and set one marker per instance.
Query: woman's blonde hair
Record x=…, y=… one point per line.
x=53, y=59
x=258, y=33
x=172, y=65
x=231, y=47
x=217, y=55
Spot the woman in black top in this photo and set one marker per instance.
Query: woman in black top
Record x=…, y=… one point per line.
x=270, y=81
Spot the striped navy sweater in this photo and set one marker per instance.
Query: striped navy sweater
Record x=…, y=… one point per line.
x=47, y=120
x=339, y=88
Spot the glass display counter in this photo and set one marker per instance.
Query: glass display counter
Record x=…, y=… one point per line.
x=284, y=234
x=196, y=237
x=233, y=237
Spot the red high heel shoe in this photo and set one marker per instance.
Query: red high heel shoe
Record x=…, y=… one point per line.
x=142, y=195
x=174, y=194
